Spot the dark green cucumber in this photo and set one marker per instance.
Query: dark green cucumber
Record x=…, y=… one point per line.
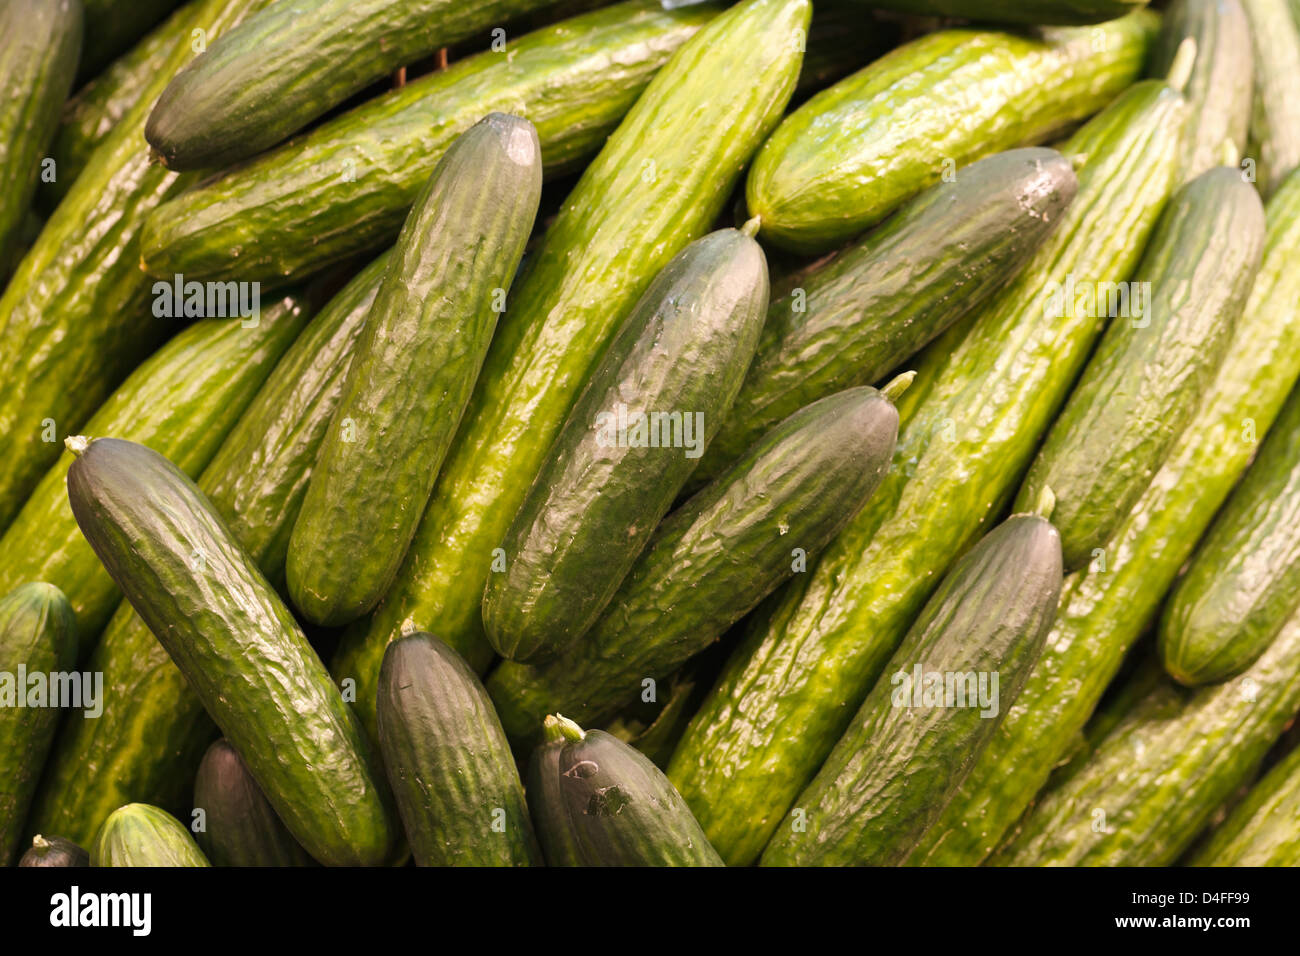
x=39, y=44
x=1264, y=829
x=986, y=390
x=450, y=766
x=910, y=744
x=345, y=188
x=147, y=743
x=850, y=320
x=227, y=105
x=1244, y=582
x=842, y=161
x=659, y=183
x=140, y=835
x=600, y=802
x=237, y=645
x=240, y=827
x=38, y=639
x=1149, y=374
x=113, y=26
x=1058, y=12
x=715, y=558
x=54, y=851
x=1275, y=109
x=841, y=40
x=1219, y=91
x=182, y=402
x=1105, y=609
x=417, y=361
x=611, y=475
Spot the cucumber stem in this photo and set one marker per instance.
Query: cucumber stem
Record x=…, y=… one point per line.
x=77, y=444
x=897, y=386
x=751, y=227
x=1046, y=503
x=558, y=727
x=1180, y=71
x=1078, y=161
x=40, y=842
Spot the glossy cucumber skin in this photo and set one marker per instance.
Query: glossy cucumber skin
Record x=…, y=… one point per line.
x=1244, y=582
x=39, y=44
x=620, y=225
x=37, y=636
x=140, y=835
x=851, y=319
x=842, y=162
x=449, y=764
x=113, y=26
x=682, y=349
x=713, y=560
x=228, y=105
x=54, y=851
x=182, y=402
x=1264, y=829
x=557, y=839
x=891, y=773
x=1058, y=12
x=148, y=742
x=345, y=187
x=1275, y=110
x=1104, y=611
x=240, y=826
x=238, y=646
x=986, y=390
x=1149, y=374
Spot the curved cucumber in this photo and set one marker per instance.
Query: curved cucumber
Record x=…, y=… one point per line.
x=852, y=319
x=237, y=645
x=842, y=161
x=1015, y=11
x=54, y=851
x=1275, y=110
x=448, y=761
x=140, y=835
x=1168, y=333
x=38, y=639
x=647, y=412
x=1264, y=829
x=713, y=559
x=240, y=827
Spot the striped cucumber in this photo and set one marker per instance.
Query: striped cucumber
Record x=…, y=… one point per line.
x=1264, y=829
x=140, y=835
x=1275, y=110
x=240, y=827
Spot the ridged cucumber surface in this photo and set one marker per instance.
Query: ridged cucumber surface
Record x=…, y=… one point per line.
x=54, y=851
x=1275, y=109
x=1264, y=829
x=240, y=827
x=140, y=835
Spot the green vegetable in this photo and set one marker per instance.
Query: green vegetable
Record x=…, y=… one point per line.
x=1275, y=111
x=113, y=26
x=1264, y=829
x=54, y=851
x=240, y=826
x=140, y=835
x=840, y=40
x=1015, y=11
x=635, y=434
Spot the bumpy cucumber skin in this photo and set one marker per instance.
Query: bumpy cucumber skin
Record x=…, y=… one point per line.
x=890, y=775
x=237, y=645
x=182, y=402
x=850, y=320
x=1275, y=111
x=240, y=826
x=1244, y=582
x=985, y=392
x=1219, y=89
x=683, y=348
x=1264, y=829
x=842, y=162
x=152, y=734
x=140, y=835
x=713, y=560
x=696, y=126
x=113, y=26
x=1056, y=12
x=1104, y=611
x=54, y=851
x=449, y=764
x=1149, y=374
x=37, y=633
x=345, y=188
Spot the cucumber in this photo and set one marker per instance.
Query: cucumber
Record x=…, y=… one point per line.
x=54, y=851
x=148, y=742
x=660, y=182
x=1103, y=611
x=1150, y=371
x=181, y=402
x=1264, y=829
x=140, y=835
x=891, y=773
x=1219, y=91
x=1275, y=110
x=423, y=346
x=113, y=26
x=237, y=645
x=714, y=558
x=986, y=391
x=851, y=319
x=453, y=777
x=345, y=188
x=240, y=827
x=227, y=105
x=39, y=44
x=1244, y=581
x=38, y=639
x=1015, y=11
x=842, y=161
x=610, y=476
x=600, y=802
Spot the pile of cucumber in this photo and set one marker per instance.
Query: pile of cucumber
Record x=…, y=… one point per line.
x=575, y=433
